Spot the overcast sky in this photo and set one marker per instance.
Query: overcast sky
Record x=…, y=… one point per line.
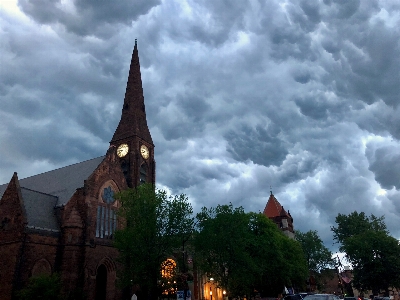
x=302, y=96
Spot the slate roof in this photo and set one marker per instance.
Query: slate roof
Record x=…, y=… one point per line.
x=42, y=192
x=61, y=182
x=39, y=209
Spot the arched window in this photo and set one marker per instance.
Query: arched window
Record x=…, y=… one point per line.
x=168, y=268
x=106, y=223
x=168, y=275
x=41, y=267
x=143, y=174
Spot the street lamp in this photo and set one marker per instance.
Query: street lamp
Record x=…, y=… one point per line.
x=224, y=292
x=210, y=294
x=184, y=277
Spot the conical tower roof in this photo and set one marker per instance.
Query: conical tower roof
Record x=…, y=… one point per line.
x=133, y=119
x=274, y=208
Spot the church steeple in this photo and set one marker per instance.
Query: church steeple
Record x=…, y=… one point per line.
x=132, y=141
x=133, y=120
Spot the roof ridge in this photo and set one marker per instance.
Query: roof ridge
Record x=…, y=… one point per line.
x=63, y=167
x=39, y=192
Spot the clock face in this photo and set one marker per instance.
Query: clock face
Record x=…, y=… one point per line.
x=144, y=151
x=122, y=150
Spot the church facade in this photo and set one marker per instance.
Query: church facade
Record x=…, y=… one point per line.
x=63, y=220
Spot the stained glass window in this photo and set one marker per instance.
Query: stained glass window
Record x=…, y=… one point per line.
x=106, y=216
x=168, y=268
x=108, y=195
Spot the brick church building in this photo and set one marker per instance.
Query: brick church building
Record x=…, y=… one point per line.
x=63, y=220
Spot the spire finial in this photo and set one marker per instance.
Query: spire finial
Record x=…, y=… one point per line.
x=270, y=190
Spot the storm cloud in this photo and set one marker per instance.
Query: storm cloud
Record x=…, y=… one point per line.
x=241, y=98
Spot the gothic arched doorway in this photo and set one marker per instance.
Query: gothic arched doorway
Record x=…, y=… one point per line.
x=101, y=283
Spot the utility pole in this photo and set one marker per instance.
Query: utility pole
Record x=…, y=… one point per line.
x=185, y=284
x=337, y=264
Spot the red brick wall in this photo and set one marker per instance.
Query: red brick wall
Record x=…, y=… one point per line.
x=75, y=252
x=13, y=220
x=8, y=261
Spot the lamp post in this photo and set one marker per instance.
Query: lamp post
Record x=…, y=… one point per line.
x=184, y=274
x=224, y=293
x=210, y=294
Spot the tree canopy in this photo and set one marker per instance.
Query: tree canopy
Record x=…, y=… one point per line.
x=244, y=252
x=318, y=257
x=154, y=224
x=374, y=255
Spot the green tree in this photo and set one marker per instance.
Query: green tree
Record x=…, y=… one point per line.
x=41, y=287
x=220, y=246
x=244, y=252
x=154, y=224
x=373, y=253
x=280, y=259
x=318, y=257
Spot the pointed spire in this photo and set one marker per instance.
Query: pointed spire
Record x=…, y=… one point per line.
x=133, y=120
x=12, y=198
x=134, y=90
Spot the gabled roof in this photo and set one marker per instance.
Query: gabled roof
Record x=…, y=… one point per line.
x=61, y=183
x=274, y=208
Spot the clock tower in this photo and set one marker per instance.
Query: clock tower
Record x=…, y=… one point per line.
x=132, y=141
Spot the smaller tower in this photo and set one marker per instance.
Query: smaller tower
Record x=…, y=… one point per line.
x=275, y=212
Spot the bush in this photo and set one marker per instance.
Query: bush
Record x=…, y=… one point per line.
x=43, y=287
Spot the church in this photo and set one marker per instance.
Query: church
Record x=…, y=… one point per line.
x=63, y=220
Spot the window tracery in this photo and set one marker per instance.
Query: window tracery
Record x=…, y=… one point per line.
x=106, y=223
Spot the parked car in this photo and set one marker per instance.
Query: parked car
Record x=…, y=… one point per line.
x=350, y=298
x=303, y=294
x=322, y=297
x=293, y=297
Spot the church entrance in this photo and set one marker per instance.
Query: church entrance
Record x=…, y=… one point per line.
x=101, y=283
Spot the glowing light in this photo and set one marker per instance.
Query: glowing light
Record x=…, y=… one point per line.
x=168, y=268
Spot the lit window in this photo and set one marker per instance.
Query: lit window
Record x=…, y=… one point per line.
x=168, y=268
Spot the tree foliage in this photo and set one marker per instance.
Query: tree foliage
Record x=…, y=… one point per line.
x=244, y=252
x=41, y=287
x=374, y=255
x=318, y=257
x=154, y=224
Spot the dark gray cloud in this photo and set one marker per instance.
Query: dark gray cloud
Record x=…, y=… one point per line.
x=298, y=95
x=86, y=17
x=260, y=145
x=384, y=163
